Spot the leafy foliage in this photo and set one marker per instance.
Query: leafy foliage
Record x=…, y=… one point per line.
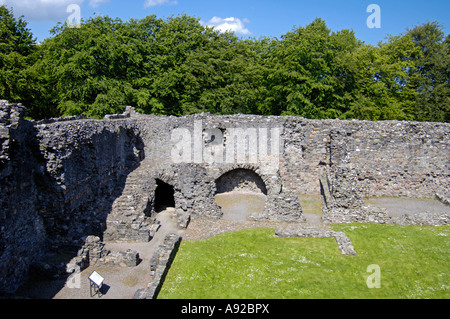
x=176, y=66
x=433, y=72
x=17, y=49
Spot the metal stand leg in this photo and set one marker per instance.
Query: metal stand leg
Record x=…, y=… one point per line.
x=96, y=284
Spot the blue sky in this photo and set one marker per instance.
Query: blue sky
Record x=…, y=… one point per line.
x=248, y=18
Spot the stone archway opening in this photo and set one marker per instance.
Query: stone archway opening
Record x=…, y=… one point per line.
x=240, y=193
x=164, y=196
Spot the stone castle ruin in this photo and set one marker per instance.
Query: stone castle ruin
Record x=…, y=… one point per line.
x=63, y=180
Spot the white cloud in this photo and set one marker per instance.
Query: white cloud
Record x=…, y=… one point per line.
x=233, y=24
x=96, y=3
x=45, y=10
x=153, y=3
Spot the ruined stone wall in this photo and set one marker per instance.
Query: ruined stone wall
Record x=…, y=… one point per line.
x=306, y=152
x=391, y=158
x=64, y=179
x=57, y=182
x=395, y=158
x=214, y=145
x=22, y=232
x=87, y=162
x=386, y=158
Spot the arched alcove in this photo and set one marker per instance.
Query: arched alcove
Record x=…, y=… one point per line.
x=240, y=179
x=240, y=193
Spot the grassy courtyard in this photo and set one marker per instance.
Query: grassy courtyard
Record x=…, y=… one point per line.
x=414, y=263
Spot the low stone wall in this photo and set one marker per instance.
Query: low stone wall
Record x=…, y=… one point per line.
x=422, y=219
x=344, y=243
x=372, y=214
x=94, y=253
x=129, y=258
x=129, y=112
x=159, y=266
x=363, y=214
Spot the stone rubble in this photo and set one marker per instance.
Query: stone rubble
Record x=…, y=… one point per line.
x=93, y=253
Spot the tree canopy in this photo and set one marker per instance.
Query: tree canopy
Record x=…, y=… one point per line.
x=17, y=49
x=176, y=66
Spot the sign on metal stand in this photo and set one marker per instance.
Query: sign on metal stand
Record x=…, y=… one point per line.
x=96, y=282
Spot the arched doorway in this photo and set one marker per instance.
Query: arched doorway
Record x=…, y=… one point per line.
x=240, y=193
x=164, y=196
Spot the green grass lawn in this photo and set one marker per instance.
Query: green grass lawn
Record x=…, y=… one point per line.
x=414, y=263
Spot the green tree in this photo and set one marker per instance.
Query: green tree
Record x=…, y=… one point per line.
x=84, y=67
x=107, y=63
x=432, y=68
x=222, y=77
x=307, y=72
x=177, y=66
x=17, y=53
x=175, y=41
x=384, y=88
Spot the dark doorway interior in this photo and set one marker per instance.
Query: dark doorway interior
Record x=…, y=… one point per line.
x=164, y=196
